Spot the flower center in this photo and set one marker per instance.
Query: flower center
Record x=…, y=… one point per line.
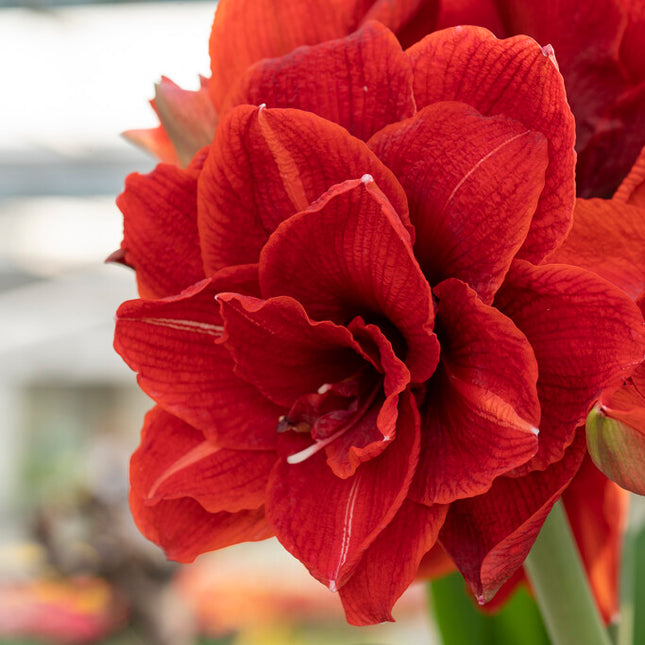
x=331, y=412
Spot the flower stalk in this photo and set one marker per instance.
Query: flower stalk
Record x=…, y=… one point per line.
x=555, y=570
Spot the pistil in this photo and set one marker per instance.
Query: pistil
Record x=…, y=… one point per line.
x=319, y=444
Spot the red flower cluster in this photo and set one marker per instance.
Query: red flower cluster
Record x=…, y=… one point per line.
x=347, y=320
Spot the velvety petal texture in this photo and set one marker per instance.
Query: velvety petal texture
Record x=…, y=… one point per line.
x=362, y=82
x=247, y=31
x=179, y=523
x=608, y=238
x=173, y=345
x=632, y=189
x=160, y=239
x=266, y=165
x=281, y=351
x=382, y=574
x=489, y=536
x=350, y=513
x=359, y=263
x=482, y=413
x=584, y=332
x=451, y=160
x=175, y=461
x=518, y=79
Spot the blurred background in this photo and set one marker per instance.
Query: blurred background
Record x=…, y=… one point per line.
x=73, y=568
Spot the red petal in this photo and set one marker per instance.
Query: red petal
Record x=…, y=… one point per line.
x=369, y=437
x=481, y=417
x=600, y=53
x=516, y=78
x=471, y=12
x=366, y=440
x=614, y=148
x=585, y=44
x=435, y=564
x=597, y=511
x=184, y=530
x=328, y=522
x=277, y=348
x=154, y=141
x=586, y=334
x=160, y=230
x=608, y=238
x=473, y=184
x=246, y=31
x=627, y=402
x=410, y=20
x=264, y=166
x=174, y=460
x=498, y=601
x=188, y=117
x=172, y=343
x=489, y=536
x=632, y=190
x=349, y=255
x=631, y=46
x=362, y=82
x=390, y=564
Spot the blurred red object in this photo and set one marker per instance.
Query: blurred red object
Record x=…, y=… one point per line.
x=76, y=610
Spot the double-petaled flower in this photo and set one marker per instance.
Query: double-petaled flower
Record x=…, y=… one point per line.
x=346, y=317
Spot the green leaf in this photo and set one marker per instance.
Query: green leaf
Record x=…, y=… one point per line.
x=460, y=622
x=639, y=586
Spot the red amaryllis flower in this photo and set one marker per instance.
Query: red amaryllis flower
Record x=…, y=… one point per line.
x=352, y=345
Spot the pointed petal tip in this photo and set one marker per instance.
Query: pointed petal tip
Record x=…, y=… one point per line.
x=549, y=52
x=116, y=257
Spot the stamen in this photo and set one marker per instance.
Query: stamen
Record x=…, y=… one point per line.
x=303, y=455
x=299, y=457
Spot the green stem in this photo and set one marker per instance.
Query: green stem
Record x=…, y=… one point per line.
x=624, y=630
x=555, y=570
x=625, y=626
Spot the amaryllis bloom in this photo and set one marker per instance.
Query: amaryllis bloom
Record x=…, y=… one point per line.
x=346, y=320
